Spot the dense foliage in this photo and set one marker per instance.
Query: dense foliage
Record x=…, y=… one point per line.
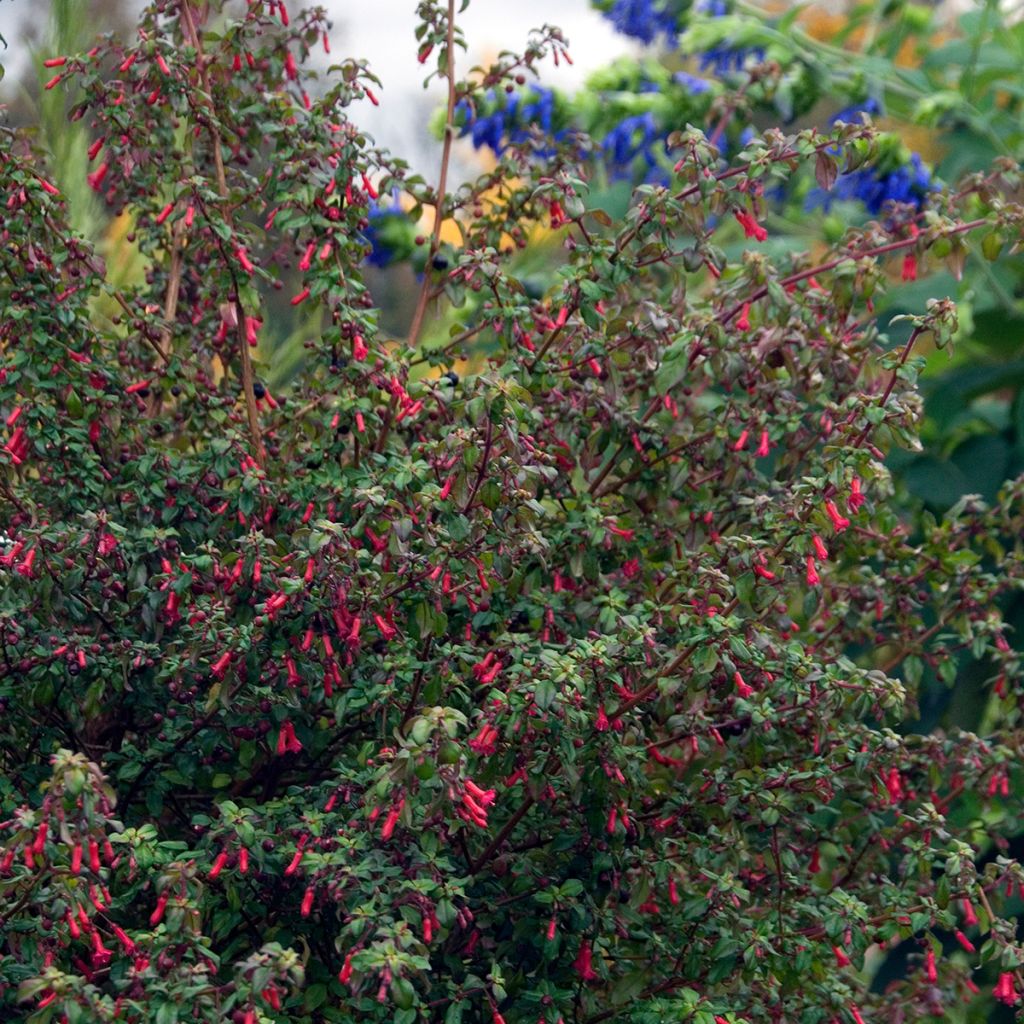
x=560, y=668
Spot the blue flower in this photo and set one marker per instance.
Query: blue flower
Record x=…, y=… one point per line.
x=510, y=123
x=387, y=226
x=909, y=184
x=642, y=20
x=633, y=137
x=693, y=83
x=724, y=58
x=853, y=114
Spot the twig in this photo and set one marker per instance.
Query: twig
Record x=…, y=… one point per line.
x=449, y=133
x=222, y=189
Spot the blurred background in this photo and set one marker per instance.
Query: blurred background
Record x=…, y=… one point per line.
x=380, y=32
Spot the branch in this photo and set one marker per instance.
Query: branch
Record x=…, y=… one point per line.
x=449, y=133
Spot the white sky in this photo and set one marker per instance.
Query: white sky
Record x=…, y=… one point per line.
x=382, y=32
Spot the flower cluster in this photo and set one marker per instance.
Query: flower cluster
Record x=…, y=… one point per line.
x=909, y=183
x=631, y=138
x=855, y=112
x=389, y=232
x=510, y=120
x=643, y=20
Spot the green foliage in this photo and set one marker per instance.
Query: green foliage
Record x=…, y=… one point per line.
x=577, y=682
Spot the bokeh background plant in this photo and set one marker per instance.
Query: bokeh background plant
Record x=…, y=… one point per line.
x=584, y=591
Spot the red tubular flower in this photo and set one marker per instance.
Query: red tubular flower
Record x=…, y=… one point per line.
x=345, y=974
x=388, y=828
x=301, y=297
x=39, y=843
x=894, y=785
x=219, y=667
x=819, y=547
x=965, y=942
x=1004, y=990
x=307, y=902
x=909, y=267
x=485, y=797
x=842, y=960
x=243, y=259
x=764, y=446
x=157, y=916
x=751, y=229
x=287, y=741
x=839, y=521
x=741, y=687
x=601, y=723
x=100, y=953
x=218, y=865
x=359, y=349
x=296, y=861
x=741, y=443
x=124, y=939
x=95, y=179
x=813, y=579
x=970, y=917
x=743, y=322
x=243, y=860
x=584, y=962
x=485, y=740
x=856, y=498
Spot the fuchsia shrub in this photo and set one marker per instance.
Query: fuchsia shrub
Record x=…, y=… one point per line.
x=566, y=684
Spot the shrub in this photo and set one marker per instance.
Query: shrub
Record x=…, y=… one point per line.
x=570, y=684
